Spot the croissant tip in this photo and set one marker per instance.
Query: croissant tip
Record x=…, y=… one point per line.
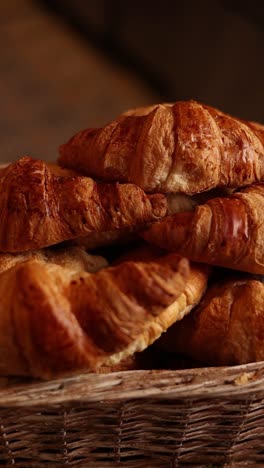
x=159, y=205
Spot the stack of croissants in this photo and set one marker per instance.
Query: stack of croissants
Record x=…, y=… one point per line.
x=148, y=231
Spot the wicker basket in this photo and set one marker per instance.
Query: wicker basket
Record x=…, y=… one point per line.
x=201, y=417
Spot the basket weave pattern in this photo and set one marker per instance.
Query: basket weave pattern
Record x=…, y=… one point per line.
x=201, y=417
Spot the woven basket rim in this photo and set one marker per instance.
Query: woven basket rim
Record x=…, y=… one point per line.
x=202, y=383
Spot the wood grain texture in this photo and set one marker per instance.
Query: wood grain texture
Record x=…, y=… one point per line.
x=235, y=382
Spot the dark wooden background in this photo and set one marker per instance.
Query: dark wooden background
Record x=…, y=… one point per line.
x=68, y=64
x=53, y=83
x=209, y=50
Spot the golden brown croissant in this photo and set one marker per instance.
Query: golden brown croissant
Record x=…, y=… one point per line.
x=226, y=328
x=175, y=204
x=39, y=208
x=227, y=232
x=53, y=168
x=75, y=258
x=54, y=320
x=183, y=147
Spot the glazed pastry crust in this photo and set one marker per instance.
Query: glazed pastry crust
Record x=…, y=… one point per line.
x=184, y=147
x=227, y=231
x=74, y=258
x=39, y=208
x=56, y=321
x=227, y=328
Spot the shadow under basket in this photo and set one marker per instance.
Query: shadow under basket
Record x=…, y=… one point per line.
x=195, y=417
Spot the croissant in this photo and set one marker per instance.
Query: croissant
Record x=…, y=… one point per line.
x=227, y=231
x=175, y=203
x=39, y=208
x=75, y=258
x=226, y=328
x=54, y=320
x=185, y=147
